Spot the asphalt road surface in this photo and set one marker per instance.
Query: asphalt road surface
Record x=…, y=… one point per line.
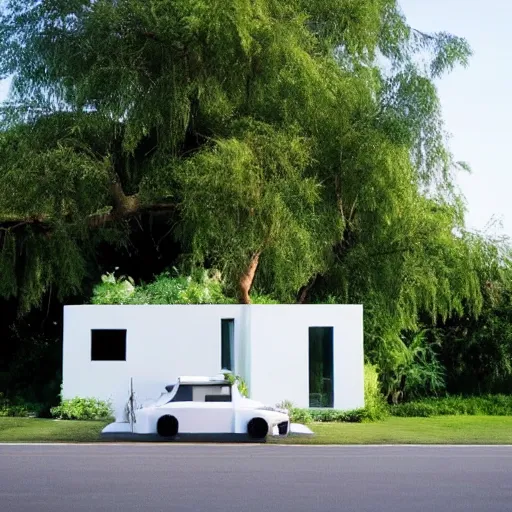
x=177, y=478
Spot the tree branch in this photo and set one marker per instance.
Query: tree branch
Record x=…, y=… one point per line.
x=430, y=37
x=123, y=207
x=11, y=224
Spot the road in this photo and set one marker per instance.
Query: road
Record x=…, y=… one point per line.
x=246, y=478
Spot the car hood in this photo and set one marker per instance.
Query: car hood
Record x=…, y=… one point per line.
x=248, y=403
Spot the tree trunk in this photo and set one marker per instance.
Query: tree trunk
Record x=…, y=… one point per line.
x=245, y=283
x=304, y=291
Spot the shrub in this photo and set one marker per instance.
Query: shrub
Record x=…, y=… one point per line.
x=305, y=416
x=300, y=415
x=202, y=287
x=83, y=409
x=18, y=409
x=409, y=366
x=374, y=401
x=14, y=411
x=337, y=416
x=489, y=405
x=296, y=414
x=113, y=290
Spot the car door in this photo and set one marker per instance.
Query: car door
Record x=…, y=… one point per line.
x=207, y=413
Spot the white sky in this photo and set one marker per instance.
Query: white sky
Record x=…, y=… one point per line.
x=476, y=101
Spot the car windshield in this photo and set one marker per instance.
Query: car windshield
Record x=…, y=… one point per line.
x=165, y=398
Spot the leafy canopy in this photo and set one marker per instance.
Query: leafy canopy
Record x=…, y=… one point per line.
x=302, y=137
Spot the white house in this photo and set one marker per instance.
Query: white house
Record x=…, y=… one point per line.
x=311, y=355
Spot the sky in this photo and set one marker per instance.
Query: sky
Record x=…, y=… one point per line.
x=476, y=102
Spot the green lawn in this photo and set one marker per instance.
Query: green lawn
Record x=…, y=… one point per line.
x=437, y=430
x=37, y=430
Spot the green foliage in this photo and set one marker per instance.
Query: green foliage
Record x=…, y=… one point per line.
x=33, y=378
x=242, y=385
x=13, y=411
x=477, y=352
x=263, y=299
x=425, y=375
x=306, y=416
x=306, y=145
x=64, y=181
x=113, y=290
x=416, y=361
x=168, y=288
x=201, y=287
x=374, y=402
x=297, y=415
x=19, y=407
x=486, y=405
x=7, y=409
x=83, y=409
x=336, y=416
x=260, y=198
x=301, y=416
x=413, y=369
x=306, y=132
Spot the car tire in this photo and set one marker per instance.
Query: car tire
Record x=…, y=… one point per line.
x=257, y=428
x=167, y=426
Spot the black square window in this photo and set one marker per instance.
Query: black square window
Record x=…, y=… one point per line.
x=108, y=345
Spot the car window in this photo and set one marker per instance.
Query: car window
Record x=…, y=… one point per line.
x=211, y=394
x=190, y=393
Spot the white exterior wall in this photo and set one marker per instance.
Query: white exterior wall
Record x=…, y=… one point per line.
x=164, y=342
x=280, y=353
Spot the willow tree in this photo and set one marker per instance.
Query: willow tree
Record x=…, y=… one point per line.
x=296, y=145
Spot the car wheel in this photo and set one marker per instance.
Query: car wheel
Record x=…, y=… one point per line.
x=257, y=428
x=167, y=426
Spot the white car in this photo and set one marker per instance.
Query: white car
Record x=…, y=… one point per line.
x=202, y=405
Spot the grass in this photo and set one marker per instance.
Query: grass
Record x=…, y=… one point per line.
x=435, y=430
x=27, y=430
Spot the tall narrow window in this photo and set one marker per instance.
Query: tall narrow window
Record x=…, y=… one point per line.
x=227, y=343
x=108, y=345
x=321, y=367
